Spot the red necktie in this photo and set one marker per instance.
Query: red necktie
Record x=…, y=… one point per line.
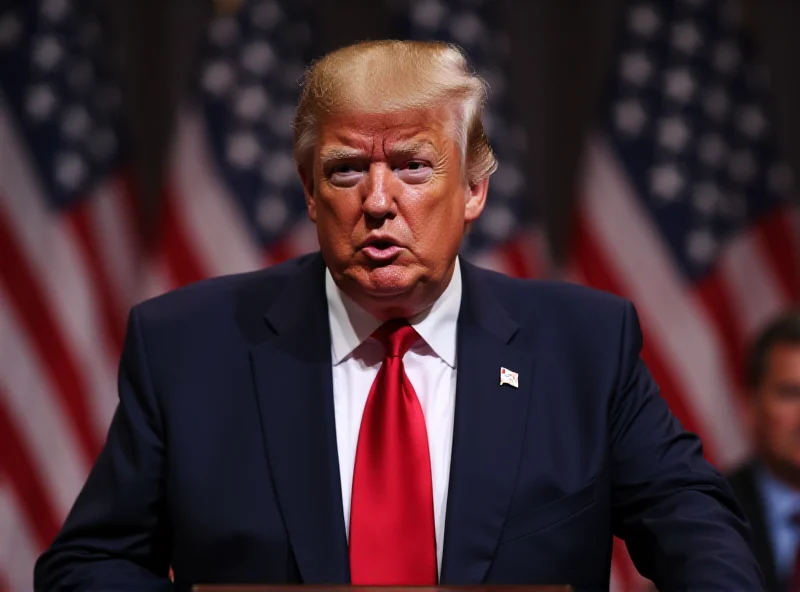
x=392, y=534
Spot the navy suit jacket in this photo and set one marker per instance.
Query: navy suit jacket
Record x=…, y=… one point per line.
x=221, y=459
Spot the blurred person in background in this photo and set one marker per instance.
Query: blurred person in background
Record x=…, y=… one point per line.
x=768, y=487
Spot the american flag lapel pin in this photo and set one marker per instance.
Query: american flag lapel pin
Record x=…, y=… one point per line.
x=509, y=377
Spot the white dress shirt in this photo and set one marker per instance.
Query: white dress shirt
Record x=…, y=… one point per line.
x=430, y=365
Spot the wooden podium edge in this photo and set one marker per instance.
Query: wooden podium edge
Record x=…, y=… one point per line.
x=350, y=588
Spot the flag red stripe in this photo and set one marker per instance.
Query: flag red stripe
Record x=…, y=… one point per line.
x=278, y=252
x=182, y=262
x=517, y=260
x=775, y=234
x=17, y=464
x=41, y=325
x=109, y=306
x=133, y=217
x=599, y=273
x=713, y=293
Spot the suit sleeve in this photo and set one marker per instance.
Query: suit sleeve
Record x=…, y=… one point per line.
x=676, y=513
x=116, y=535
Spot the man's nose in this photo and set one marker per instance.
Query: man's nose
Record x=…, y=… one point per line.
x=379, y=200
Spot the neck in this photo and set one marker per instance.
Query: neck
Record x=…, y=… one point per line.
x=406, y=305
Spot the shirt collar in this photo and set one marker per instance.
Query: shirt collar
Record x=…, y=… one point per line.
x=780, y=500
x=351, y=325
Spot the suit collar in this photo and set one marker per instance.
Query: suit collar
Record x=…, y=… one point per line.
x=301, y=302
x=481, y=307
x=350, y=324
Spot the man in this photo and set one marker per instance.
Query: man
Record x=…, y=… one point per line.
x=769, y=486
x=382, y=412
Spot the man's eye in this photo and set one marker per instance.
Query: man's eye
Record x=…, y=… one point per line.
x=345, y=175
x=415, y=171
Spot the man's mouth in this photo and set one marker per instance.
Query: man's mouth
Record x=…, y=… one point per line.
x=381, y=249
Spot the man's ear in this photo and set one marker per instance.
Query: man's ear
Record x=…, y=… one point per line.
x=307, y=179
x=476, y=199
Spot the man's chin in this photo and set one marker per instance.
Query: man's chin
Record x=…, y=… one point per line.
x=384, y=290
x=387, y=283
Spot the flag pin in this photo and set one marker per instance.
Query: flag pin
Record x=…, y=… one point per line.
x=509, y=377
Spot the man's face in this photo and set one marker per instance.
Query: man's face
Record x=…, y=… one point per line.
x=777, y=411
x=390, y=204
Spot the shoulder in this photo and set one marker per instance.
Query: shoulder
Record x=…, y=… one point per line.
x=566, y=324
x=217, y=297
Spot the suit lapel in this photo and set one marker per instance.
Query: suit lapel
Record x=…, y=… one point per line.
x=489, y=429
x=295, y=397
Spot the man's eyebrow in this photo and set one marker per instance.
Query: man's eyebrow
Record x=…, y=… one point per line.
x=409, y=147
x=401, y=148
x=340, y=153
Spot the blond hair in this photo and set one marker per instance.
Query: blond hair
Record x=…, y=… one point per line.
x=388, y=76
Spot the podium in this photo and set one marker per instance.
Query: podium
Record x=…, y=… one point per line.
x=301, y=588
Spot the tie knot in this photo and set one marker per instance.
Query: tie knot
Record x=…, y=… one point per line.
x=396, y=336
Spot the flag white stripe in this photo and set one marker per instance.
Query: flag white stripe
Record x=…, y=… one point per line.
x=18, y=552
x=113, y=227
x=39, y=415
x=754, y=290
x=680, y=327
x=491, y=260
x=155, y=279
x=216, y=229
x=50, y=246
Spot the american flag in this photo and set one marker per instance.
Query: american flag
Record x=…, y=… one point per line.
x=685, y=209
x=67, y=275
x=234, y=202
